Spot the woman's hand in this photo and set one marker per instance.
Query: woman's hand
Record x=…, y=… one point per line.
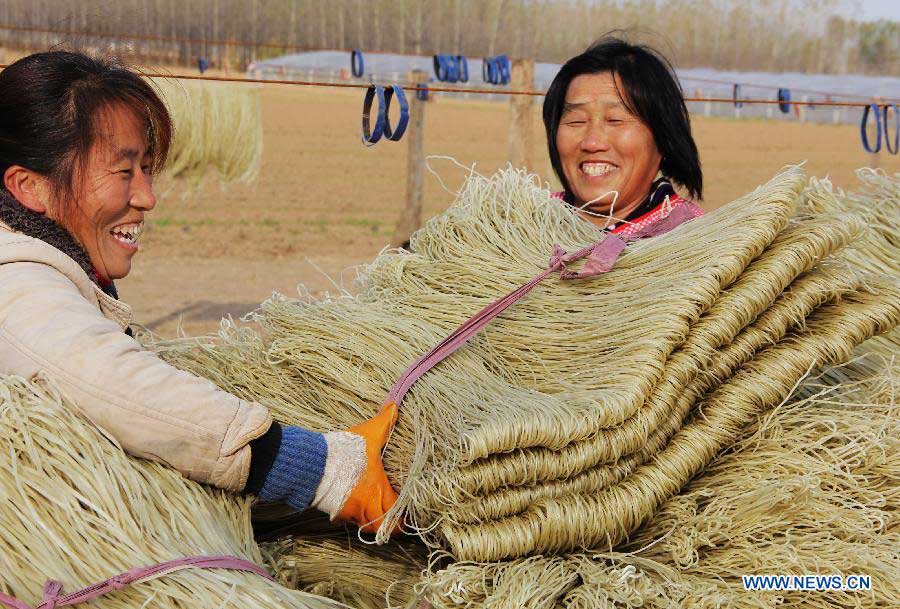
x=373, y=495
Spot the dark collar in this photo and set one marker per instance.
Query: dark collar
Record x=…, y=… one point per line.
x=23, y=220
x=659, y=190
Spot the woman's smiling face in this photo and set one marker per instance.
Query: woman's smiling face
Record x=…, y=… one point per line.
x=113, y=192
x=604, y=148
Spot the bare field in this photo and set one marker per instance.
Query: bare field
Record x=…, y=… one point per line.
x=324, y=202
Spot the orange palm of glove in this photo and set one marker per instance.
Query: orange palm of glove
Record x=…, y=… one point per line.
x=373, y=495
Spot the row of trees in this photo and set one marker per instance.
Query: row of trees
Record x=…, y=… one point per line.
x=770, y=35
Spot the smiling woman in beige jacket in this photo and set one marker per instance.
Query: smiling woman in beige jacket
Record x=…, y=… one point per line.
x=80, y=140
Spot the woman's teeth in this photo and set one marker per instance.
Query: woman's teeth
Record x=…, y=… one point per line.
x=127, y=233
x=596, y=169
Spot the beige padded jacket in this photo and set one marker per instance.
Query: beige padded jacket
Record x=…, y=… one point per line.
x=54, y=319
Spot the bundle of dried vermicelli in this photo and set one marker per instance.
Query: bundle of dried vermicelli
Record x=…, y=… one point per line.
x=877, y=201
x=585, y=382
x=608, y=516
x=75, y=508
x=811, y=488
x=323, y=560
x=218, y=126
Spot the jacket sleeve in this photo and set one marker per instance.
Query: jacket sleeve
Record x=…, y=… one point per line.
x=152, y=409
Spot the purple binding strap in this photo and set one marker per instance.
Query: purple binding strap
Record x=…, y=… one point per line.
x=54, y=598
x=601, y=256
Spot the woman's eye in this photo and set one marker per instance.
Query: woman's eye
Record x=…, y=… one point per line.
x=574, y=123
x=125, y=171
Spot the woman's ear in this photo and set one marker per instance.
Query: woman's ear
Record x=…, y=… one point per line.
x=29, y=188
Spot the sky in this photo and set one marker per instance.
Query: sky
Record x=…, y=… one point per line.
x=870, y=10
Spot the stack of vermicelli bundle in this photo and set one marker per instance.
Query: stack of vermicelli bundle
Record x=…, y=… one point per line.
x=811, y=488
x=588, y=383
x=580, y=415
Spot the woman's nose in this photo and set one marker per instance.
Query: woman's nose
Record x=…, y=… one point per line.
x=142, y=195
x=595, y=139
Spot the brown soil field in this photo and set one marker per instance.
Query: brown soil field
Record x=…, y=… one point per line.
x=323, y=202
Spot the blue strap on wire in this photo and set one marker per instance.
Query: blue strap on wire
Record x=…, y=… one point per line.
x=453, y=68
x=396, y=92
x=503, y=63
x=878, y=128
x=422, y=92
x=357, y=65
x=887, y=136
x=446, y=68
x=495, y=70
x=440, y=69
x=784, y=95
x=736, y=95
x=488, y=69
x=462, y=68
x=370, y=135
x=382, y=128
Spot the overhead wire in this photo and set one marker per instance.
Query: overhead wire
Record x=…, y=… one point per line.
x=298, y=47
x=770, y=87
x=431, y=89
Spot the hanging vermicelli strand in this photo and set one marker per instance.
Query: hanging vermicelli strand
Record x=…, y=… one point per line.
x=218, y=126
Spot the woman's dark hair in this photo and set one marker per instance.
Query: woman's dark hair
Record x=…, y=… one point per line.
x=50, y=107
x=651, y=92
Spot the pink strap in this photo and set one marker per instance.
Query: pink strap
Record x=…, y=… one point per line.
x=679, y=215
x=53, y=589
x=601, y=258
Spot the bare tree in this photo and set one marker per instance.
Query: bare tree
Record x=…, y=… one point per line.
x=804, y=35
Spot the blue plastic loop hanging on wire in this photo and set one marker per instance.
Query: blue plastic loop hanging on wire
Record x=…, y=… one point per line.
x=489, y=70
x=202, y=64
x=462, y=68
x=784, y=96
x=495, y=70
x=453, y=68
x=892, y=148
x=878, y=128
x=394, y=134
x=446, y=68
x=422, y=92
x=503, y=63
x=736, y=95
x=357, y=65
x=371, y=134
